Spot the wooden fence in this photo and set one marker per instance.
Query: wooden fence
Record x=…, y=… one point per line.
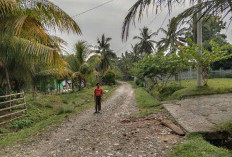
x=12, y=107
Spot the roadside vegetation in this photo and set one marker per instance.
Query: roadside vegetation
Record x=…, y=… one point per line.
x=195, y=145
x=187, y=88
x=46, y=110
x=145, y=102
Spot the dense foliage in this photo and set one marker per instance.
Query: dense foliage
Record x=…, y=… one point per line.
x=159, y=68
x=207, y=57
x=109, y=77
x=27, y=49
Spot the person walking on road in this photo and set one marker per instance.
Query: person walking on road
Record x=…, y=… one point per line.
x=98, y=93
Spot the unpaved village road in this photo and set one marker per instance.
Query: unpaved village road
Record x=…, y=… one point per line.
x=114, y=133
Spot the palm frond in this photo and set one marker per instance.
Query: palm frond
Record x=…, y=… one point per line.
x=138, y=9
x=208, y=7
x=24, y=26
x=25, y=50
x=6, y=7
x=60, y=72
x=49, y=14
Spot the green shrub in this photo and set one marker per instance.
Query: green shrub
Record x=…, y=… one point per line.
x=21, y=123
x=169, y=90
x=92, y=80
x=109, y=77
x=85, y=69
x=139, y=82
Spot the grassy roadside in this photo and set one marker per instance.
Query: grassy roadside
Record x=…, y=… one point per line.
x=194, y=145
x=46, y=110
x=173, y=90
x=146, y=103
x=188, y=88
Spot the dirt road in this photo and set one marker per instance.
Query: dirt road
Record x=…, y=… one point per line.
x=114, y=132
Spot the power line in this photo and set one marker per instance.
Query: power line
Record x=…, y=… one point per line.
x=124, y=46
x=164, y=20
x=81, y=13
x=153, y=20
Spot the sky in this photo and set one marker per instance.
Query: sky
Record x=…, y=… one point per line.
x=108, y=20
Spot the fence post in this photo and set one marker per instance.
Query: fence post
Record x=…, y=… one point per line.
x=25, y=102
x=10, y=106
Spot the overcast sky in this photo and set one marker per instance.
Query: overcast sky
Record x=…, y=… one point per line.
x=108, y=19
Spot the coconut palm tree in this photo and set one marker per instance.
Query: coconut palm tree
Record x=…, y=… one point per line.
x=173, y=37
x=23, y=36
x=146, y=44
x=215, y=7
x=78, y=64
x=135, y=52
x=106, y=53
x=103, y=44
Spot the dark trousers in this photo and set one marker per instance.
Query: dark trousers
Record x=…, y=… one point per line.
x=98, y=103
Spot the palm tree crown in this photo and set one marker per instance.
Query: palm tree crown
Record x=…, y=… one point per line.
x=173, y=37
x=146, y=44
x=215, y=7
x=106, y=53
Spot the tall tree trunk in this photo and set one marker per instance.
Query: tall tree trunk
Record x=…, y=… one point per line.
x=177, y=77
x=199, y=42
x=194, y=31
x=8, y=81
x=9, y=88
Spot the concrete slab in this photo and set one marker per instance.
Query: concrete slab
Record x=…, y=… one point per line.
x=201, y=114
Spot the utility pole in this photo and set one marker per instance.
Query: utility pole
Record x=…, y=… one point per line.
x=199, y=42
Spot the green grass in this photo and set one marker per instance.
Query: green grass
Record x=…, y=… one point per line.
x=225, y=127
x=146, y=103
x=194, y=145
x=189, y=88
x=45, y=110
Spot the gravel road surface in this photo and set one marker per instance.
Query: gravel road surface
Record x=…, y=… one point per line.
x=115, y=132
